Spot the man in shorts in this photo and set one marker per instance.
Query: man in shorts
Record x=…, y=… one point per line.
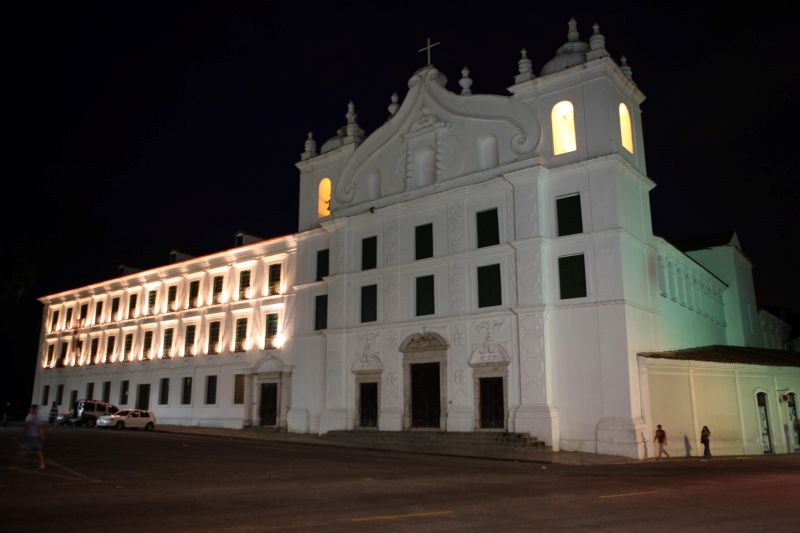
x=661, y=439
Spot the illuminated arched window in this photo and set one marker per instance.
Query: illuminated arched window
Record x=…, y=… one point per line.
x=625, y=128
x=563, y=120
x=324, y=198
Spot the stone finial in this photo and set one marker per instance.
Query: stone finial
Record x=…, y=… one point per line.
x=465, y=82
x=394, y=106
x=625, y=68
x=352, y=129
x=597, y=44
x=310, y=148
x=525, y=68
x=351, y=112
x=572, y=34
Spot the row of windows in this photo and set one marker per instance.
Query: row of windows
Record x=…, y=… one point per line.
x=149, y=350
x=169, y=300
x=143, y=399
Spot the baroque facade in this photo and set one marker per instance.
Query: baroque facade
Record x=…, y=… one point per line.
x=477, y=263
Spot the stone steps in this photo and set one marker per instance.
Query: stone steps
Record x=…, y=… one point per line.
x=498, y=441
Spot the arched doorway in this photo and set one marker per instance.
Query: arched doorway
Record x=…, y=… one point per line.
x=425, y=381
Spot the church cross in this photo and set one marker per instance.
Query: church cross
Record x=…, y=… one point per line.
x=428, y=48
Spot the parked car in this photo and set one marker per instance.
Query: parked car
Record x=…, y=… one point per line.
x=86, y=412
x=129, y=418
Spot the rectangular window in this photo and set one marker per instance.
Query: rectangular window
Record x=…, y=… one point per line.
x=489, y=291
x=425, y=296
x=132, y=300
x=186, y=391
x=323, y=263
x=241, y=334
x=238, y=389
x=73, y=399
x=244, y=283
x=194, y=292
x=423, y=241
x=54, y=320
x=84, y=311
x=216, y=290
x=213, y=337
x=488, y=229
x=98, y=312
x=123, y=392
x=271, y=329
x=90, y=391
x=50, y=352
x=320, y=312
x=211, y=390
x=46, y=395
x=369, y=303
x=188, y=341
x=172, y=297
x=274, y=279
x=163, y=391
x=60, y=394
x=68, y=321
x=571, y=277
x=106, y=391
x=93, y=347
x=147, y=345
x=114, y=309
x=151, y=302
x=166, y=347
x=568, y=215
x=62, y=359
x=126, y=353
x=369, y=253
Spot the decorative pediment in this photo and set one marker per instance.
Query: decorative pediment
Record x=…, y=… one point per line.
x=423, y=342
x=271, y=363
x=429, y=109
x=368, y=361
x=489, y=352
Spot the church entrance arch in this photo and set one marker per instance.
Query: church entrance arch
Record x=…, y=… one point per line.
x=425, y=381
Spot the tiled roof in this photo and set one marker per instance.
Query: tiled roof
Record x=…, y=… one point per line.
x=730, y=354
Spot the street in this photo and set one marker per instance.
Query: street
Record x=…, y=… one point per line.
x=102, y=480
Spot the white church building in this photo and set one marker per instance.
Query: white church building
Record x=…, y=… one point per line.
x=477, y=263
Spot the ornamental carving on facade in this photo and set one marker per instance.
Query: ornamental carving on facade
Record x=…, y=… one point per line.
x=368, y=361
x=423, y=342
x=489, y=352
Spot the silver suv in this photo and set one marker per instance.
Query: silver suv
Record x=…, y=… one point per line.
x=86, y=412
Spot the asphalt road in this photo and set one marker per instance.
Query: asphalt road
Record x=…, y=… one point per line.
x=106, y=480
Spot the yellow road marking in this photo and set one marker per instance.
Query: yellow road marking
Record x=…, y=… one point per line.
x=624, y=494
x=400, y=516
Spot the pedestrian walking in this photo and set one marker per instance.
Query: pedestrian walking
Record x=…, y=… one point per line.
x=661, y=439
x=53, y=414
x=34, y=434
x=705, y=439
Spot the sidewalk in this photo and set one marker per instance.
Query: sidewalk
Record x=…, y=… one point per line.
x=527, y=455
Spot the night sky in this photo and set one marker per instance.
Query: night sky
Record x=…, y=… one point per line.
x=135, y=128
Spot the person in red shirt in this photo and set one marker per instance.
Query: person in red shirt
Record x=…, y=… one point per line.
x=661, y=439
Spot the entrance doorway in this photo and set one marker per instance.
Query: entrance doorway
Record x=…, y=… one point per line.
x=793, y=428
x=368, y=405
x=492, y=403
x=426, y=405
x=143, y=396
x=268, y=406
x=763, y=418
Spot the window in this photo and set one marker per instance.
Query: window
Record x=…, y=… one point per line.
x=126, y=352
x=271, y=329
x=132, y=305
x=123, y=392
x=166, y=348
x=324, y=198
x=274, y=279
x=188, y=341
x=238, y=389
x=568, y=215
x=323, y=263
x=60, y=394
x=244, y=283
x=216, y=291
x=369, y=253
x=213, y=337
x=62, y=359
x=625, y=128
x=489, y=291
x=98, y=312
x=54, y=320
x=46, y=395
x=423, y=241
x=106, y=391
x=90, y=391
x=369, y=303
x=563, y=122
x=211, y=390
x=84, y=311
x=147, y=345
x=487, y=228
x=50, y=352
x=151, y=302
x=93, y=347
x=194, y=292
x=571, y=277
x=172, y=296
x=241, y=334
x=68, y=321
x=73, y=398
x=425, y=296
x=186, y=391
x=320, y=312
x=163, y=391
x=114, y=309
